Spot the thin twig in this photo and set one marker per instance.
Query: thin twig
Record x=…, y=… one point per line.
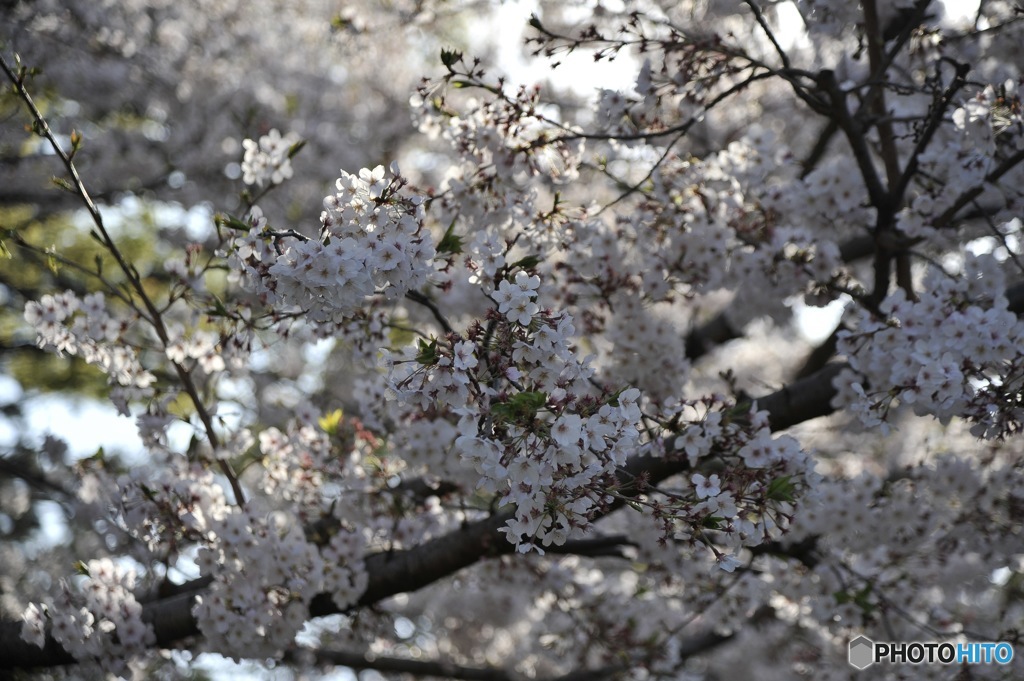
x=152, y=314
x=417, y=297
x=935, y=117
x=759, y=15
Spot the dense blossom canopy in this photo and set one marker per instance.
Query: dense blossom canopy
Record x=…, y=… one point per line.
x=532, y=396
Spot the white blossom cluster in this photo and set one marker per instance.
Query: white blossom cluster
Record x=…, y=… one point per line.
x=987, y=126
x=296, y=464
x=99, y=622
x=718, y=224
x=427, y=442
x=180, y=503
x=747, y=234
x=525, y=423
x=639, y=333
x=555, y=479
x=751, y=501
x=372, y=240
x=86, y=328
x=265, y=570
x=502, y=137
x=954, y=351
x=268, y=161
x=907, y=542
x=265, y=573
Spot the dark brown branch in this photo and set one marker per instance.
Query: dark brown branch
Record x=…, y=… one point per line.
x=855, y=135
x=806, y=399
x=687, y=648
x=820, y=147
x=819, y=356
x=971, y=194
x=804, y=551
x=718, y=330
x=610, y=546
x=419, y=298
x=714, y=332
x=875, y=99
x=936, y=115
x=763, y=23
x=447, y=670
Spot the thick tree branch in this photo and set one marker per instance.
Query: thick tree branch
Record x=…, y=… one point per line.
x=611, y=546
x=806, y=399
x=820, y=356
x=855, y=135
x=433, y=668
x=715, y=331
x=718, y=330
x=686, y=648
x=876, y=93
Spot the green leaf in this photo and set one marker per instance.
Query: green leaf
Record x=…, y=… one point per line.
x=713, y=522
x=520, y=408
x=450, y=57
x=296, y=148
x=526, y=263
x=860, y=598
x=100, y=457
x=427, y=352
x=739, y=414
x=218, y=309
x=781, y=489
x=64, y=184
x=450, y=242
x=233, y=223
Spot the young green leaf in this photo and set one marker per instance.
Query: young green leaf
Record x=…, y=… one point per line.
x=450, y=242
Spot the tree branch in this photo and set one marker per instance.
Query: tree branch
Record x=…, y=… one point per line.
x=439, y=668
x=855, y=136
x=876, y=92
x=687, y=648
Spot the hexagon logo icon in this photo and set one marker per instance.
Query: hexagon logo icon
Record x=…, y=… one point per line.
x=862, y=652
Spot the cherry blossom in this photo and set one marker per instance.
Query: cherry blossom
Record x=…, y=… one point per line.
x=521, y=391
